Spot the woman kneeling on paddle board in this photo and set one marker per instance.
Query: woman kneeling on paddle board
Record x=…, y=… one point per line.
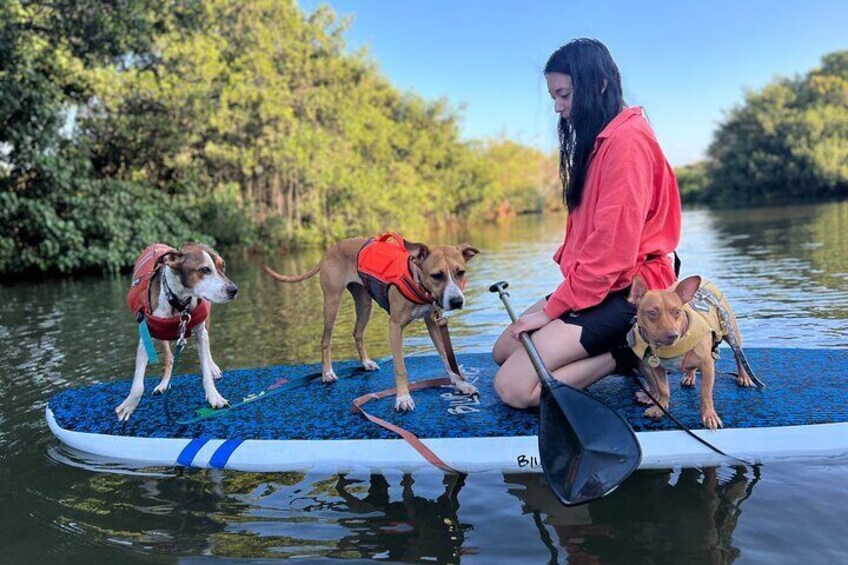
x=623, y=220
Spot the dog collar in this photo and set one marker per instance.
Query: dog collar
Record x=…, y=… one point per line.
x=176, y=304
x=653, y=354
x=417, y=277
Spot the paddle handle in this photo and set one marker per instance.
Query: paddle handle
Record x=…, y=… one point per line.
x=541, y=371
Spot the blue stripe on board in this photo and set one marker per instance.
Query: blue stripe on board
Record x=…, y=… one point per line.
x=189, y=452
x=222, y=454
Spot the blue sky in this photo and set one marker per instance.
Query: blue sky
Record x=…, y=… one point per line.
x=686, y=62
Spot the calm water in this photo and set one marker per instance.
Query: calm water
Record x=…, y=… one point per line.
x=785, y=269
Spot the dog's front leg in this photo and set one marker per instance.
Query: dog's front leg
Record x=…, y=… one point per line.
x=436, y=336
x=216, y=370
x=659, y=384
x=128, y=406
x=403, y=400
x=167, y=370
x=708, y=413
x=213, y=397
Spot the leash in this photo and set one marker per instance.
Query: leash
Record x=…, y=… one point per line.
x=442, y=323
x=683, y=426
x=185, y=319
x=410, y=437
x=279, y=386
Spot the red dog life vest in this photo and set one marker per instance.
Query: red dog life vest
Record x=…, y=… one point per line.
x=383, y=263
x=138, y=299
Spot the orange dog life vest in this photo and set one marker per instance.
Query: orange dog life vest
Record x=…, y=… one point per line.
x=138, y=299
x=384, y=262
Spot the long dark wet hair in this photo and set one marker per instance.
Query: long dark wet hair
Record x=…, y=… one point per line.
x=588, y=62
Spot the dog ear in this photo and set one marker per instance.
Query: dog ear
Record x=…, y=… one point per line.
x=220, y=266
x=637, y=290
x=172, y=259
x=468, y=251
x=418, y=251
x=686, y=288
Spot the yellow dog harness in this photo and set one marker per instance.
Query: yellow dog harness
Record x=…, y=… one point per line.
x=706, y=315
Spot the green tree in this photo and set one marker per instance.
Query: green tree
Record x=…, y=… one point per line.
x=788, y=141
x=693, y=182
x=56, y=213
x=244, y=123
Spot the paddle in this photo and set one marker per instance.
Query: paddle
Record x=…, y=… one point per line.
x=586, y=447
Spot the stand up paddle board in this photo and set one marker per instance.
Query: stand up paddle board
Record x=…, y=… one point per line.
x=285, y=419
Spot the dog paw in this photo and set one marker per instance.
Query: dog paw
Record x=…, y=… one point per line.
x=126, y=408
x=642, y=398
x=404, y=403
x=215, y=400
x=370, y=365
x=216, y=370
x=744, y=380
x=462, y=385
x=329, y=376
x=711, y=420
x=654, y=412
x=688, y=379
x=162, y=387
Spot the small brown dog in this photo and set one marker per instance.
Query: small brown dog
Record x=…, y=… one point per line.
x=679, y=329
x=409, y=280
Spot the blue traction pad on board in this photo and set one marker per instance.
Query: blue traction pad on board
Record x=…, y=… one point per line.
x=803, y=387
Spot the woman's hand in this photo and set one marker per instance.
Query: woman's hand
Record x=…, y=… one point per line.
x=530, y=322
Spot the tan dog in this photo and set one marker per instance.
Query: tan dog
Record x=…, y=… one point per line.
x=437, y=272
x=673, y=332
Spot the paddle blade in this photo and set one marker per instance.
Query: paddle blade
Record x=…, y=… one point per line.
x=588, y=453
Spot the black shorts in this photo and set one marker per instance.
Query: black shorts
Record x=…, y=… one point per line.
x=605, y=327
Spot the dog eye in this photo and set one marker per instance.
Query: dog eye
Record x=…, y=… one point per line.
x=440, y=276
x=652, y=314
x=460, y=274
x=206, y=270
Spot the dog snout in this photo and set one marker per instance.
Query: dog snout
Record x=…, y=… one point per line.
x=232, y=291
x=671, y=337
x=456, y=302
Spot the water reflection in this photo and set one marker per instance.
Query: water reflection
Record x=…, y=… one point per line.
x=271, y=515
x=410, y=528
x=654, y=517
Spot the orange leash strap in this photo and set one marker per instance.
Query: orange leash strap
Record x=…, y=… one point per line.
x=446, y=341
x=410, y=437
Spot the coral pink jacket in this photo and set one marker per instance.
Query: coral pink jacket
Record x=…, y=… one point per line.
x=627, y=222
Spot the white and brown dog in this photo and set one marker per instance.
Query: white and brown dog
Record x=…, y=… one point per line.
x=409, y=280
x=169, y=286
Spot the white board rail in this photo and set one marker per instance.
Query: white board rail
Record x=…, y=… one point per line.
x=660, y=450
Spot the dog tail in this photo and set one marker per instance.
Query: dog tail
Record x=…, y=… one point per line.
x=293, y=278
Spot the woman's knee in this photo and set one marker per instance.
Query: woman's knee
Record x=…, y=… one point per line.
x=504, y=347
x=512, y=393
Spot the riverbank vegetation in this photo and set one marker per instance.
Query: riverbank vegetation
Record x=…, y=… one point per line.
x=786, y=143
x=252, y=124
x=241, y=123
